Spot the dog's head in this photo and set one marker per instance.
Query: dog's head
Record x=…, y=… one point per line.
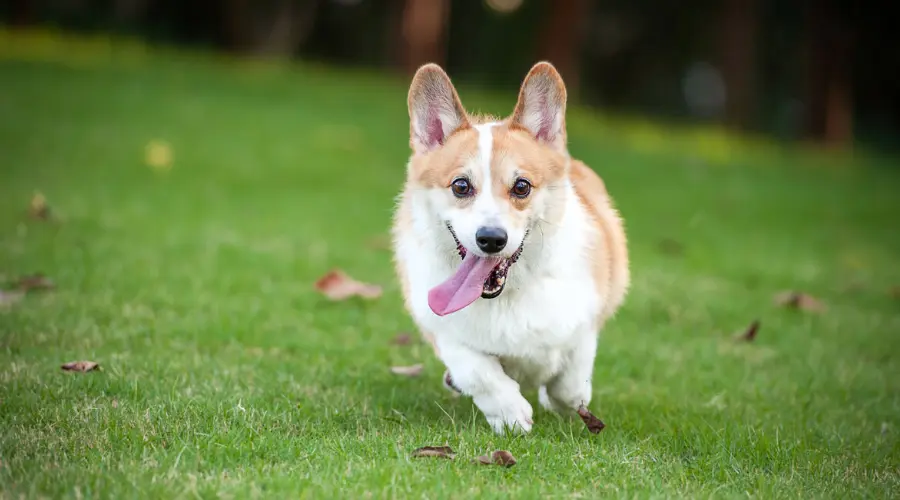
x=489, y=182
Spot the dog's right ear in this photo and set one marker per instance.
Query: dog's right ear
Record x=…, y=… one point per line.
x=434, y=109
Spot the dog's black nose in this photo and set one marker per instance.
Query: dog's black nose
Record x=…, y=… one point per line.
x=490, y=239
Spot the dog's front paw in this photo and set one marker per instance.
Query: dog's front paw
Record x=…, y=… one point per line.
x=507, y=412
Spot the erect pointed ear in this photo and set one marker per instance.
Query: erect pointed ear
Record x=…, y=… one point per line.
x=542, y=106
x=434, y=109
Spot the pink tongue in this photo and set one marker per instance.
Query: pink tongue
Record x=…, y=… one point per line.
x=463, y=287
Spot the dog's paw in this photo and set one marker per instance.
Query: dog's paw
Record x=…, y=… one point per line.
x=448, y=384
x=549, y=403
x=508, y=412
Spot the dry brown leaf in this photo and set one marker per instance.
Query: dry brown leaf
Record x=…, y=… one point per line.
x=81, y=366
x=499, y=457
x=115, y=403
x=39, y=208
x=749, y=335
x=402, y=339
x=34, y=282
x=10, y=297
x=434, y=452
x=799, y=300
x=895, y=292
x=594, y=424
x=336, y=285
x=408, y=371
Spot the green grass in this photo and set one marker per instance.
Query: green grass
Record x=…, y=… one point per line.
x=225, y=374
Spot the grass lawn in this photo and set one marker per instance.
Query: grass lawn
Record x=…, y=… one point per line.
x=224, y=373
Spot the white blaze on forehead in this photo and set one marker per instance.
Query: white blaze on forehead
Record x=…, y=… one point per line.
x=484, y=202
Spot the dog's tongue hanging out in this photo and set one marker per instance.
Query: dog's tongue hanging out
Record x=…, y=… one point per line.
x=462, y=288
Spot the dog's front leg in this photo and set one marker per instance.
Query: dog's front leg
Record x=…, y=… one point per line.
x=572, y=386
x=480, y=376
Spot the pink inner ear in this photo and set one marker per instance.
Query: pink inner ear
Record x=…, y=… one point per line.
x=546, y=119
x=434, y=130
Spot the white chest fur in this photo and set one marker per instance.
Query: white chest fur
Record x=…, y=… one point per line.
x=549, y=301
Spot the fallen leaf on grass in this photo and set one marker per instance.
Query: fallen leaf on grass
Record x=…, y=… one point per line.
x=895, y=292
x=749, y=334
x=799, y=300
x=434, y=452
x=594, y=424
x=34, y=282
x=81, y=366
x=408, y=371
x=8, y=298
x=499, y=457
x=39, y=207
x=402, y=339
x=21, y=286
x=336, y=285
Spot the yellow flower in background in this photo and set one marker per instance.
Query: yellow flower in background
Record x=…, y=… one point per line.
x=158, y=155
x=39, y=207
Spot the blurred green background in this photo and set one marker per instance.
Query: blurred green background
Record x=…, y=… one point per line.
x=795, y=70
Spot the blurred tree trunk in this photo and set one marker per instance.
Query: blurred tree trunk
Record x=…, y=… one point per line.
x=128, y=12
x=829, y=83
x=394, y=39
x=22, y=12
x=425, y=33
x=273, y=27
x=738, y=25
x=560, y=39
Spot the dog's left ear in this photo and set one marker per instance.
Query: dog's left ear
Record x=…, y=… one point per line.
x=542, y=106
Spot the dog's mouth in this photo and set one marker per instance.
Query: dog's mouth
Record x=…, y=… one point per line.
x=476, y=277
x=495, y=281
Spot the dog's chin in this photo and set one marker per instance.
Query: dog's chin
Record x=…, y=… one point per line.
x=496, y=281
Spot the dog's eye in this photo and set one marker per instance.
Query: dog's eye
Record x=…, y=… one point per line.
x=461, y=188
x=521, y=189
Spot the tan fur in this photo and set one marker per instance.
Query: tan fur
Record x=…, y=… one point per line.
x=610, y=268
x=438, y=168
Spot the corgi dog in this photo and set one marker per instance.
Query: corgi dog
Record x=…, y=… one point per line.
x=510, y=254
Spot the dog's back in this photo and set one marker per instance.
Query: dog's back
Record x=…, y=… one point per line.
x=611, y=269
